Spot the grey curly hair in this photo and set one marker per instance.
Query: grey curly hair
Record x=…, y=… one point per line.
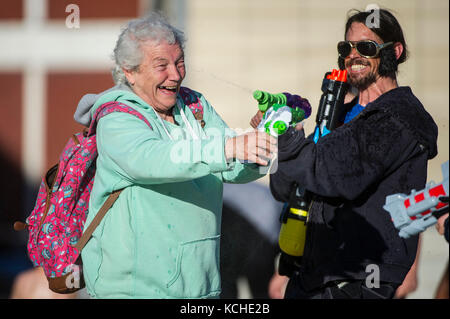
x=127, y=52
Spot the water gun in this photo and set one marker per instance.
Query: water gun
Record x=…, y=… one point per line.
x=280, y=111
x=412, y=214
x=330, y=112
x=294, y=217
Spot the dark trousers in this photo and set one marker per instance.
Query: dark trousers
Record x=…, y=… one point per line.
x=244, y=252
x=354, y=289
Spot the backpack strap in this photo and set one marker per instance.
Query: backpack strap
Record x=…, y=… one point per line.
x=103, y=110
x=111, y=107
x=97, y=219
x=192, y=100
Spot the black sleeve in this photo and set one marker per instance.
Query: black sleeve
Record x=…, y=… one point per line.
x=281, y=186
x=347, y=160
x=289, y=145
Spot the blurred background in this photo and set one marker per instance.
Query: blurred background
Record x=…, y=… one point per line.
x=49, y=59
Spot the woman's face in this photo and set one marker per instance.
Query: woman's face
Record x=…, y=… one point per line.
x=160, y=74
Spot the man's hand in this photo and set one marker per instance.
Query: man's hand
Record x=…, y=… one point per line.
x=440, y=224
x=255, y=147
x=277, y=286
x=299, y=126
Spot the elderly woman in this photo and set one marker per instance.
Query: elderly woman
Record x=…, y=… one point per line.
x=161, y=237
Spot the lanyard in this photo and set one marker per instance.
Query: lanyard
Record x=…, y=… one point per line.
x=185, y=120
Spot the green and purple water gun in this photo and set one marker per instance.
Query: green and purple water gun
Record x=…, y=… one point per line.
x=280, y=111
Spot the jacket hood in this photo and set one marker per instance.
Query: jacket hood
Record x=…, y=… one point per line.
x=89, y=102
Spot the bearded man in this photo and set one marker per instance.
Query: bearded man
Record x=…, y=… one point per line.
x=352, y=249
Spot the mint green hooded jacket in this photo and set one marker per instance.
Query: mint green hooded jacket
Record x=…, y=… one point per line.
x=161, y=238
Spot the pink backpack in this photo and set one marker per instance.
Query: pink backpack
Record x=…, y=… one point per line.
x=56, y=223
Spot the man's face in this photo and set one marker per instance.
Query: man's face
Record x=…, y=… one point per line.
x=361, y=71
x=160, y=74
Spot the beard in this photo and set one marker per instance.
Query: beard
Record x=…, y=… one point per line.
x=361, y=82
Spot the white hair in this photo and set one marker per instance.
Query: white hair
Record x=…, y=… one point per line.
x=128, y=53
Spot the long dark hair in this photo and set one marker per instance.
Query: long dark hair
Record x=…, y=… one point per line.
x=389, y=30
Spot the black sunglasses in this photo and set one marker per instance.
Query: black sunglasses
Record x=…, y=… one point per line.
x=365, y=48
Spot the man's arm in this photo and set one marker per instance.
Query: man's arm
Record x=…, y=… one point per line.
x=349, y=159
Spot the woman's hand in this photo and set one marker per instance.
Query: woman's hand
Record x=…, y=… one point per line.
x=256, y=119
x=255, y=147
